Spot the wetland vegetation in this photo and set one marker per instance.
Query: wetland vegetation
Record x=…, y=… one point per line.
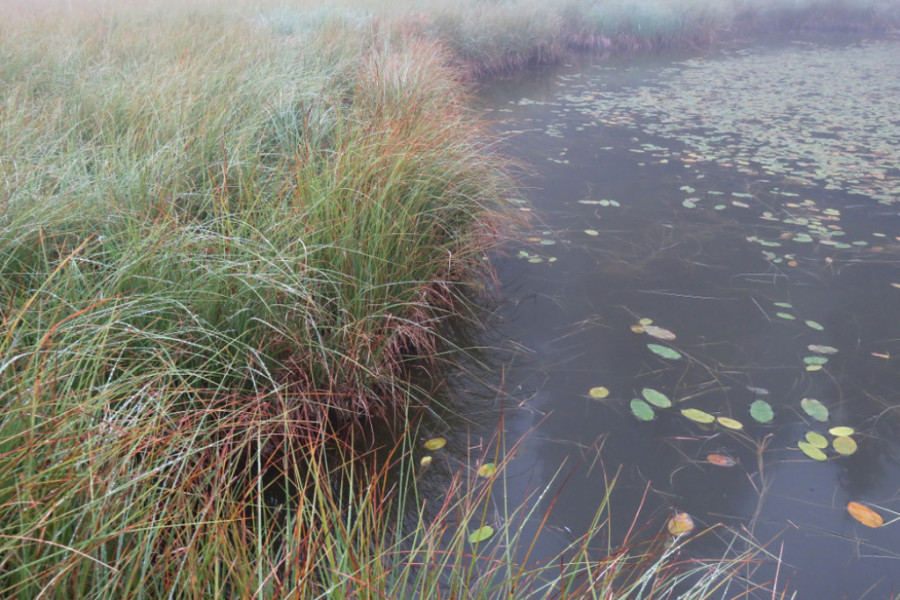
x=236, y=239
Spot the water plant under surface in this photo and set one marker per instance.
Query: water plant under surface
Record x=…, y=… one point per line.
x=226, y=235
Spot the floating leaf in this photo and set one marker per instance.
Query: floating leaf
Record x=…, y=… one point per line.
x=487, y=469
x=481, y=534
x=599, y=392
x=730, y=423
x=658, y=332
x=814, y=325
x=720, y=460
x=864, y=515
x=844, y=445
x=642, y=410
x=425, y=461
x=664, y=351
x=761, y=411
x=680, y=523
x=784, y=305
x=787, y=316
x=436, y=443
x=814, y=409
x=592, y=232
x=816, y=439
x=811, y=451
x=815, y=360
x=645, y=321
x=656, y=398
x=698, y=415
x=820, y=349
x=841, y=431
x=637, y=328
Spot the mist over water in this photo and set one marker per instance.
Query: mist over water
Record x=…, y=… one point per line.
x=747, y=203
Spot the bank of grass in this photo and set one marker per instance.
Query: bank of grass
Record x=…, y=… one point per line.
x=226, y=236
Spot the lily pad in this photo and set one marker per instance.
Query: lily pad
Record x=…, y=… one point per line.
x=820, y=349
x=841, y=431
x=814, y=409
x=680, y=523
x=761, y=411
x=642, y=410
x=816, y=439
x=786, y=316
x=815, y=360
x=698, y=415
x=487, y=469
x=481, y=534
x=720, y=460
x=598, y=392
x=844, y=445
x=664, y=351
x=811, y=451
x=730, y=423
x=436, y=443
x=864, y=515
x=814, y=325
x=656, y=398
x=658, y=332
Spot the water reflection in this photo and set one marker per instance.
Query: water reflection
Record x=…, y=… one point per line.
x=657, y=202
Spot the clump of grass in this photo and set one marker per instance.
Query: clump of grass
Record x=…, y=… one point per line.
x=217, y=244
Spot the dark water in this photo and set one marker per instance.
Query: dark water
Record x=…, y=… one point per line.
x=699, y=193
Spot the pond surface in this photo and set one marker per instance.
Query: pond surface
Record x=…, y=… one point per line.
x=719, y=233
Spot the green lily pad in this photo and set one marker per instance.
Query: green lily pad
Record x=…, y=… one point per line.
x=816, y=439
x=664, y=351
x=814, y=409
x=698, y=415
x=642, y=410
x=481, y=534
x=730, y=423
x=762, y=411
x=436, y=443
x=656, y=398
x=841, y=431
x=811, y=451
x=487, y=469
x=786, y=316
x=815, y=360
x=814, y=325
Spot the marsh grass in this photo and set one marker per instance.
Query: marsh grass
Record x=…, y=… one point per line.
x=225, y=236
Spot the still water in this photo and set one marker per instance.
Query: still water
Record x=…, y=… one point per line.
x=747, y=202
